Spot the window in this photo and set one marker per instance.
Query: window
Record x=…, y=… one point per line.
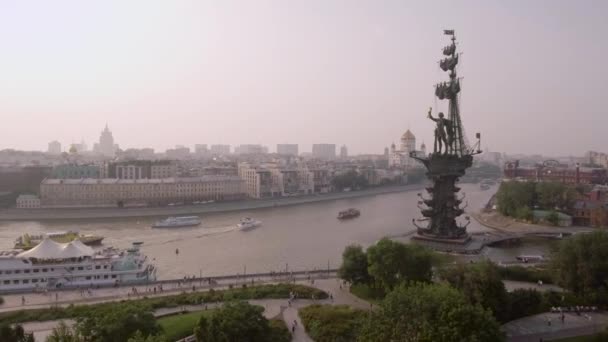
x=9, y=272
x=88, y=278
x=44, y=270
x=113, y=276
x=98, y=267
x=6, y=282
x=26, y=271
x=26, y=281
x=16, y=281
x=80, y=268
x=36, y=270
x=17, y=271
x=34, y=281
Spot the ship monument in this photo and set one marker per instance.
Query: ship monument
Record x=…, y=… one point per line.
x=450, y=157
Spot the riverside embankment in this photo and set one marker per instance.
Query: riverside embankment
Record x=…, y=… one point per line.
x=45, y=214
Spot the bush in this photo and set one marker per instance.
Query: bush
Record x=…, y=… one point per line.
x=279, y=331
x=327, y=323
x=528, y=274
x=525, y=302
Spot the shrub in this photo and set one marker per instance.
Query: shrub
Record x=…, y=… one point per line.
x=327, y=323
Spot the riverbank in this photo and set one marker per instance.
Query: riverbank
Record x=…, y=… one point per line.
x=48, y=214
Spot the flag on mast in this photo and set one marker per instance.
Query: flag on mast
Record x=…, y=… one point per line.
x=448, y=32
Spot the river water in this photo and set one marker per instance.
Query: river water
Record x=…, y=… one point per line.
x=297, y=237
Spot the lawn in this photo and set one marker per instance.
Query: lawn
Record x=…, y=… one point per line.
x=178, y=326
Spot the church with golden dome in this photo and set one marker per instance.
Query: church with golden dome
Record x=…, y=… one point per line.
x=400, y=158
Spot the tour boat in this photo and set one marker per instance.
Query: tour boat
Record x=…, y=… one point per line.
x=52, y=265
x=180, y=221
x=349, y=213
x=27, y=241
x=530, y=258
x=248, y=223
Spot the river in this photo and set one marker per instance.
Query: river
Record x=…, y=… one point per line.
x=296, y=237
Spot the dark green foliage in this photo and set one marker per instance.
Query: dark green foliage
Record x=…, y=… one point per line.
x=552, y=217
x=354, y=265
x=429, y=312
x=251, y=292
x=139, y=337
x=512, y=196
x=14, y=334
x=529, y=274
x=481, y=284
x=367, y=292
x=553, y=195
x=235, y=321
x=392, y=263
x=524, y=302
x=117, y=323
x=580, y=264
x=327, y=323
x=279, y=331
x=351, y=179
x=517, y=199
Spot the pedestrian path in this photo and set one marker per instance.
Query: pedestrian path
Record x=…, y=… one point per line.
x=549, y=326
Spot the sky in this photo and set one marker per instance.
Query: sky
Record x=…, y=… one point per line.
x=358, y=73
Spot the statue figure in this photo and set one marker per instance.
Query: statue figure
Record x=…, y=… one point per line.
x=441, y=138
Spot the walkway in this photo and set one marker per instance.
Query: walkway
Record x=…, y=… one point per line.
x=533, y=328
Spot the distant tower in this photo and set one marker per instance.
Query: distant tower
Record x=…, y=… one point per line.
x=343, y=152
x=106, y=145
x=386, y=152
x=54, y=147
x=408, y=142
x=423, y=149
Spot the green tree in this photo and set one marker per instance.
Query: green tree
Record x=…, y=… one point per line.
x=428, y=313
x=63, y=333
x=140, y=337
x=580, y=264
x=481, y=283
x=514, y=195
x=350, y=179
x=354, y=265
x=117, y=323
x=392, y=263
x=237, y=321
x=552, y=217
x=14, y=334
x=524, y=302
x=332, y=323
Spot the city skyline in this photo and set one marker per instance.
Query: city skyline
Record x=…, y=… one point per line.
x=238, y=73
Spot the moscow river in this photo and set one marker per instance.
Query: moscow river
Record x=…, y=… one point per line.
x=304, y=236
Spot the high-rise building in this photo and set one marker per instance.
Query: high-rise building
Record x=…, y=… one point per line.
x=250, y=149
x=287, y=149
x=324, y=151
x=201, y=149
x=54, y=147
x=106, y=146
x=343, y=152
x=220, y=150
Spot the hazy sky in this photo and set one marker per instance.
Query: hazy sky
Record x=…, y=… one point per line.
x=359, y=73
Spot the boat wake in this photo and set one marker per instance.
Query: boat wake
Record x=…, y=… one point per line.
x=211, y=231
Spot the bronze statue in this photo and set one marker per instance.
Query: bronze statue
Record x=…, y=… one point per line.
x=441, y=137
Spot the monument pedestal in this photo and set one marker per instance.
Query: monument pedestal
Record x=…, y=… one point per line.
x=426, y=238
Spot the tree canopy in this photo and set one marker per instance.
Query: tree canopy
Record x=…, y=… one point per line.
x=354, y=265
x=14, y=334
x=235, y=321
x=429, y=312
x=118, y=323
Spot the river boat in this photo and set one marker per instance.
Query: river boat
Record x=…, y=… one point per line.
x=27, y=241
x=53, y=265
x=484, y=186
x=248, y=223
x=348, y=214
x=179, y=221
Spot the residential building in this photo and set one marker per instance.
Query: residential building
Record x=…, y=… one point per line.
x=343, y=152
x=75, y=171
x=258, y=181
x=287, y=149
x=551, y=171
x=137, y=153
x=324, y=151
x=54, y=147
x=250, y=149
x=28, y=201
x=138, y=192
x=179, y=152
x=142, y=169
x=219, y=150
x=201, y=149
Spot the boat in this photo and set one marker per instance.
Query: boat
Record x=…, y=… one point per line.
x=27, y=241
x=349, y=213
x=179, y=221
x=484, y=186
x=53, y=265
x=248, y=223
x=530, y=258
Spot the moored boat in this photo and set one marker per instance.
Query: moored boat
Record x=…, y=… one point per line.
x=248, y=223
x=349, y=213
x=27, y=241
x=179, y=221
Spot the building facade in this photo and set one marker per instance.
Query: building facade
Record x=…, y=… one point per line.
x=551, y=171
x=400, y=157
x=324, y=151
x=54, y=147
x=138, y=192
x=219, y=150
x=343, y=152
x=28, y=202
x=287, y=149
x=106, y=146
x=142, y=169
x=250, y=149
x=76, y=171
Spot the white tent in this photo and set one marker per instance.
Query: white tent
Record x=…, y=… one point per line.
x=49, y=249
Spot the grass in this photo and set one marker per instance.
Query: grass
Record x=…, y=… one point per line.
x=367, y=293
x=178, y=326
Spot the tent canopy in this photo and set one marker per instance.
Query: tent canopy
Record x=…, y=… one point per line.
x=49, y=249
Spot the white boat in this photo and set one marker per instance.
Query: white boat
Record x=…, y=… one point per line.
x=180, y=221
x=248, y=223
x=52, y=265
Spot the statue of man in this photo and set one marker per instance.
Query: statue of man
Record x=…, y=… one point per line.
x=440, y=132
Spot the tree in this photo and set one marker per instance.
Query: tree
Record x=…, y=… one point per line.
x=237, y=321
x=139, y=337
x=552, y=217
x=354, y=265
x=14, y=334
x=481, y=284
x=524, y=302
x=117, y=323
x=429, y=312
x=63, y=333
x=580, y=264
x=350, y=179
x=514, y=195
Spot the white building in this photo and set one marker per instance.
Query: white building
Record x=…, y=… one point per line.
x=28, y=201
x=324, y=151
x=400, y=158
x=54, y=147
x=106, y=146
x=272, y=180
x=219, y=150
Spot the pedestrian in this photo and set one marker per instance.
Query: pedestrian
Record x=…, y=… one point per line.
x=295, y=322
x=22, y=300
x=549, y=321
x=293, y=329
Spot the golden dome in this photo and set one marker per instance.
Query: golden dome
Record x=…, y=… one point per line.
x=408, y=135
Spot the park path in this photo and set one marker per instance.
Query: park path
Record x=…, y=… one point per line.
x=537, y=327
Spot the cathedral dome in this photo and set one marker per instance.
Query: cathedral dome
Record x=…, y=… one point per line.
x=408, y=135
